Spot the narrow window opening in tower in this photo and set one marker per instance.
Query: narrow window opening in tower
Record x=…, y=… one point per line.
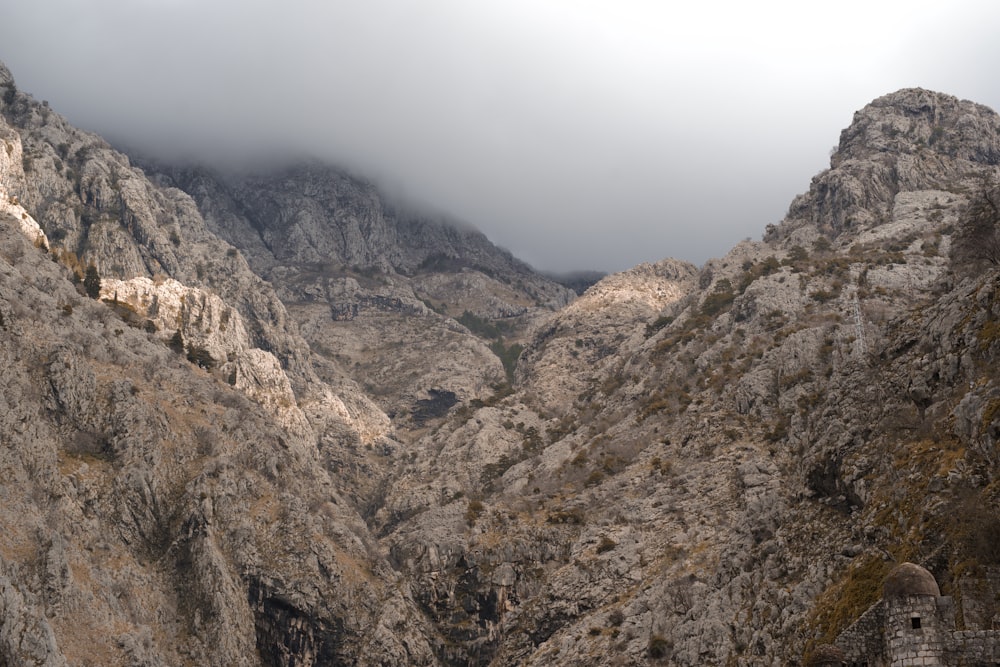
x=915, y=622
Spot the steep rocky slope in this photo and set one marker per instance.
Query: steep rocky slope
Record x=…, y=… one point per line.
x=687, y=466
x=154, y=514
x=715, y=468
x=168, y=451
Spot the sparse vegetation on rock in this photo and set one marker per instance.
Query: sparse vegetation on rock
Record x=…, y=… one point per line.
x=92, y=282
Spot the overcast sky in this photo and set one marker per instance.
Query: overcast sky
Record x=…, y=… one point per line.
x=579, y=134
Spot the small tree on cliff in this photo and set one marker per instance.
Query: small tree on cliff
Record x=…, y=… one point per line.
x=92, y=282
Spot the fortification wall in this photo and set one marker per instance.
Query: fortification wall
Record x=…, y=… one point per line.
x=973, y=648
x=863, y=642
x=914, y=626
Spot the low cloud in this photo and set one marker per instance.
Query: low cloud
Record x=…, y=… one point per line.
x=577, y=134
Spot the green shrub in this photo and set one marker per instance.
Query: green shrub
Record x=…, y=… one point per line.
x=797, y=258
x=473, y=511
x=573, y=516
x=778, y=431
x=479, y=326
x=92, y=282
x=824, y=296
x=657, y=324
x=492, y=471
x=606, y=544
x=500, y=392
x=659, y=647
x=508, y=357
x=769, y=265
x=720, y=299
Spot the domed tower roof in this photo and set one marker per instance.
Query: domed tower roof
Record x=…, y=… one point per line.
x=826, y=655
x=909, y=579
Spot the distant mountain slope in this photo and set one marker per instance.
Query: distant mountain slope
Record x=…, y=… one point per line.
x=376, y=288
x=316, y=214
x=578, y=281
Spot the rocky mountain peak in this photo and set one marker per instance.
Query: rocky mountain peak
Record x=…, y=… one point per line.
x=914, y=120
x=909, y=141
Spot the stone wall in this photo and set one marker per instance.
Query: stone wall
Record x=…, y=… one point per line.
x=974, y=648
x=918, y=630
x=863, y=642
x=885, y=636
x=979, y=595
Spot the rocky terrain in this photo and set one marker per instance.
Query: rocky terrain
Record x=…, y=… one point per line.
x=299, y=425
x=374, y=287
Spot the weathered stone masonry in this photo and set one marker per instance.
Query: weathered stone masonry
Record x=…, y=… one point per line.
x=913, y=625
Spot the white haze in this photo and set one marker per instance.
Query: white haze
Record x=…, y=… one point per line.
x=578, y=134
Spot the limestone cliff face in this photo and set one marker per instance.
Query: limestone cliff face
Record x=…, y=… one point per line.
x=12, y=180
x=686, y=466
x=99, y=209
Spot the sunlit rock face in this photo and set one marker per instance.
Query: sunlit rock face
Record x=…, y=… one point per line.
x=301, y=426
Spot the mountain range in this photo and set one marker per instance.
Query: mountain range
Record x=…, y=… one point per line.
x=277, y=418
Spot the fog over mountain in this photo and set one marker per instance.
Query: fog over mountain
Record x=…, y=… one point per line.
x=576, y=134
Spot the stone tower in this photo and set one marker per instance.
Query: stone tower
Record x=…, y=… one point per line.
x=913, y=625
x=918, y=621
